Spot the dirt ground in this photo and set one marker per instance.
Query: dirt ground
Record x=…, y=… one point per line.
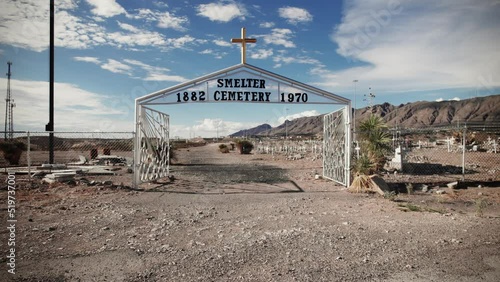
x=231, y=217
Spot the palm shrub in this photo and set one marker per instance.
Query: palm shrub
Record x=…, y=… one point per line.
x=374, y=142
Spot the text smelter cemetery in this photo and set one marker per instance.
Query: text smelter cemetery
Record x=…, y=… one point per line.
x=220, y=95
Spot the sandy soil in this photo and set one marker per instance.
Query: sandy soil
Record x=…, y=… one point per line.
x=231, y=217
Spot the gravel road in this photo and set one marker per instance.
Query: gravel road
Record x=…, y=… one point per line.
x=231, y=217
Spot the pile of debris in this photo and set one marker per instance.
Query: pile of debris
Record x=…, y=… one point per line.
x=66, y=173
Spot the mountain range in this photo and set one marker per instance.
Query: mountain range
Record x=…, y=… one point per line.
x=479, y=111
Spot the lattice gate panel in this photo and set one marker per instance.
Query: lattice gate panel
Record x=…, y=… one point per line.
x=334, y=146
x=151, y=145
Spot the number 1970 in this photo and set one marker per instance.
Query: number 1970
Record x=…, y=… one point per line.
x=294, y=97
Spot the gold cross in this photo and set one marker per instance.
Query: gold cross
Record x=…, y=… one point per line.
x=243, y=40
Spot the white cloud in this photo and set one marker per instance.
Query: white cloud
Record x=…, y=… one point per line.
x=207, y=51
x=279, y=36
x=310, y=113
x=168, y=20
x=88, y=59
x=220, y=12
x=128, y=67
x=106, y=8
x=164, y=77
x=452, y=99
x=73, y=32
x=128, y=27
x=155, y=73
x=419, y=45
x=164, y=19
x=217, y=55
x=117, y=67
x=142, y=38
x=261, y=53
x=144, y=14
x=179, y=42
x=75, y=109
x=209, y=127
x=266, y=24
x=294, y=15
x=160, y=4
x=25, y=25
x=281, y=59
x=222, y=43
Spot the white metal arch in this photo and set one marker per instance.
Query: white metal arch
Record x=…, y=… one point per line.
x=152, y=127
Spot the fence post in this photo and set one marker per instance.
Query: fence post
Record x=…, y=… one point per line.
x=463, y=153
x=28, y=157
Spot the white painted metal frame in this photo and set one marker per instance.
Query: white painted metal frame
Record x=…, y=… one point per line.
x=336, y=146
x=151, y=145
x=150, y=165
x=154, y=98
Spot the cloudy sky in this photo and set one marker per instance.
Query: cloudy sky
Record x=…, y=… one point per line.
x=109, y=52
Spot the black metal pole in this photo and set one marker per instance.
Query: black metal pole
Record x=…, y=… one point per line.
x=50, y=126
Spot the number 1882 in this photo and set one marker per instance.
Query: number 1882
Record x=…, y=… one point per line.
x=191, y=96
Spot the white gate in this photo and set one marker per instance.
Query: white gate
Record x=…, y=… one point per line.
x=151, y=146
x=336, y=139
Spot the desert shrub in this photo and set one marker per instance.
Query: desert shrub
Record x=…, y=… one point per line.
x=361, y=184
x=391, y=196
x=223, y=148
x=362, y=165
x=244, y=146
x=12, y=151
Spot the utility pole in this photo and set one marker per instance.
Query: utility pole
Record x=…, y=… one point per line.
x=286, y=124
x=50, y=126
x=9, y=111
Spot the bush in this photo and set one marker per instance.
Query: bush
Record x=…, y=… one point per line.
x=223, y=148
x=12, y=151
x=245, y=147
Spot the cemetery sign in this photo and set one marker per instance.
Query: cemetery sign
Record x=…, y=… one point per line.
x=240, y=90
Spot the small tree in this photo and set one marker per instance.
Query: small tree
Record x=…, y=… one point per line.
x=12, y=151
x=223, y=148
x=244, y=146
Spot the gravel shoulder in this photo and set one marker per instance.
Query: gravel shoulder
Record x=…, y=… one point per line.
x=231, y=217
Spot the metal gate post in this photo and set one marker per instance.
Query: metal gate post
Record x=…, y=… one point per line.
x=137, y=145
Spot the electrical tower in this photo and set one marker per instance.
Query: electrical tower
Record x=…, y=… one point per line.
x=9, y=109
x=369, y=98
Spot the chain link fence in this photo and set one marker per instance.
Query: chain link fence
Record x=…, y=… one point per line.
x=430, y=155
x=93, y=155
x=469, y=153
